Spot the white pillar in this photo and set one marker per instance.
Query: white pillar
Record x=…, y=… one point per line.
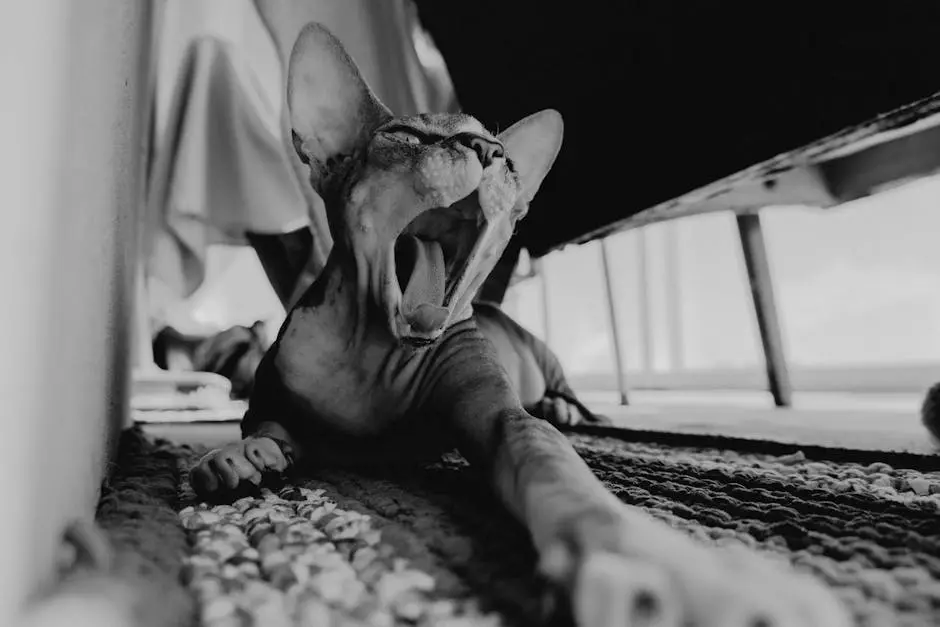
x=71, y=140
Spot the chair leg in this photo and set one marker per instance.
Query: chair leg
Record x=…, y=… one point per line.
x=765, y=308
x=612, y=320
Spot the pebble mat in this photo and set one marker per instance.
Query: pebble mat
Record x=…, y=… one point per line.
x=306, y=553
x=365, y=548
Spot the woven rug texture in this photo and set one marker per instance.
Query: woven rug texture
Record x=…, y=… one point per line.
x=868, y=530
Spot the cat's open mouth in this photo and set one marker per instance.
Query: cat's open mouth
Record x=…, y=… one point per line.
x=432, y=258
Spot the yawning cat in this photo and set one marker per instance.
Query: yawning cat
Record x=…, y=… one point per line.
x=381, y=357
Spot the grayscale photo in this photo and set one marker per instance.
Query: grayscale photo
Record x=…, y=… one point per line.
x=426, y=313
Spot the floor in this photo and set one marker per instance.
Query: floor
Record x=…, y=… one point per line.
x=888, y=422
x=862, y=429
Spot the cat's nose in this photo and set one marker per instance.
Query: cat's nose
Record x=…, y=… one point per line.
x=486, y=149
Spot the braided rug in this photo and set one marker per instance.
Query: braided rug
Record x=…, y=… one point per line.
x=432, y=547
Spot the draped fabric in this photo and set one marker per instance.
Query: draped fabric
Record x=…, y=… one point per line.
x=223, y=164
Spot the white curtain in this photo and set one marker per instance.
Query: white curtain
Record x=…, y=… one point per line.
x=222, y=164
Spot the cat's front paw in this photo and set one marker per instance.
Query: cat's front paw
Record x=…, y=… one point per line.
x=224, y=470
x=637, y=571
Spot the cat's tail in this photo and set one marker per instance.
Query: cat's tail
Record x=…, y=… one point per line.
x=930, y=412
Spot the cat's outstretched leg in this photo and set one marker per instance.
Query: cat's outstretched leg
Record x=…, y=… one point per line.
x=222, y=471
x=614, y=564
x=626, y=568
x=618, y=566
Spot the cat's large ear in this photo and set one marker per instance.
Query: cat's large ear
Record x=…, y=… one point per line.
x=332, y=109
x=533, y=143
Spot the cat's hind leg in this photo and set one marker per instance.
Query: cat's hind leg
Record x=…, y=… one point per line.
x=565, y=410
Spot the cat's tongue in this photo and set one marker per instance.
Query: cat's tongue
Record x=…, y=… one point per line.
x=422, y=298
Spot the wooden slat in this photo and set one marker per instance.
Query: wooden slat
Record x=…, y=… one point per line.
x=852, y=163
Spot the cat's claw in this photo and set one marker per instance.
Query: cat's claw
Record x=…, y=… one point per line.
x=611, y=590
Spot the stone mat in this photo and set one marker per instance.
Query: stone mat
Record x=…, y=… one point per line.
x=872, y=531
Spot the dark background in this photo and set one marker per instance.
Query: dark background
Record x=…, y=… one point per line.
x=661, y=96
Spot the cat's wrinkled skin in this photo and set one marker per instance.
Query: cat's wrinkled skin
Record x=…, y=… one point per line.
x=380, y=359
x=534, y=371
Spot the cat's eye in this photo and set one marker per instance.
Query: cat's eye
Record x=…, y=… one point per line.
x=405, y=137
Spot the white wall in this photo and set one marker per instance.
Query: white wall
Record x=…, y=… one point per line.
x=71, y=137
